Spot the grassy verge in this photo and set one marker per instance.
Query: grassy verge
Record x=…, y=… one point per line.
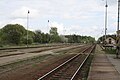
x=83, y=73
x=86, y=67
x=110, y=51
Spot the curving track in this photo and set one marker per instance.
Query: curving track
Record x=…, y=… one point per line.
x=68, y=69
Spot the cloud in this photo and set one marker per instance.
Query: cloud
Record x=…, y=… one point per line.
x=23, y=11
x=84, y=17
x=77, y=16
x=94, y=31
x=18, y=21
x=3, y=23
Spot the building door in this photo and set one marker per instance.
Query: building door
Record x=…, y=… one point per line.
x=110, y=41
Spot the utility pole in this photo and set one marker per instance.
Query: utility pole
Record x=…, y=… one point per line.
x=64, y=31
x=118, y=15
x=27, y=25
x=118, y=34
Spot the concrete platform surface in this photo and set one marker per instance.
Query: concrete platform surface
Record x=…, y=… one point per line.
x=102, y=68
x=115, y=62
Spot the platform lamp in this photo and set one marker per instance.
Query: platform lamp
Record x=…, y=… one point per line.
x=48, y=31
x=106, y=6
x=27, y=25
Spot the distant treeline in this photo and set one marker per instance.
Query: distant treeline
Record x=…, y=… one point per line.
x=80, y=39
x=16, y=34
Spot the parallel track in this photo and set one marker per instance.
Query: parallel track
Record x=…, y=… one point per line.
x=68, y=69
x=36, y=51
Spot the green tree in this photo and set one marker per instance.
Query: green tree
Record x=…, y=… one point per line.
x=53, y=31
x=0, y=38
x=24, y=40
x=54, y=37
x=13, y=33
x=41, y=37
x=38, y=36
x=80, y=39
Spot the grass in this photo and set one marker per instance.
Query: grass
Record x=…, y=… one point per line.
x=110, y=51
x=84, y=71
x=87, y=67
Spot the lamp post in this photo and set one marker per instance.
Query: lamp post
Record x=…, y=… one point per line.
x=106, y=6
x=27, y=25
x=49, y=31
x=102, y=37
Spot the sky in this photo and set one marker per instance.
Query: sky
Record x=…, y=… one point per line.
x=81, y=17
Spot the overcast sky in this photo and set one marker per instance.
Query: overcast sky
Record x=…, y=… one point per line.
x=83, y=17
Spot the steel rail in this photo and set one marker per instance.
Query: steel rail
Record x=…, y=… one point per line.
x=62, y=65
x=82, y=64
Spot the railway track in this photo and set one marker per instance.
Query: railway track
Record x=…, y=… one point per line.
x=14, y=52
x=68, y=69
x=8, y=59
x=24, y=47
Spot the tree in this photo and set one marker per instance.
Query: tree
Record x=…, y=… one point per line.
x=0, y=38
x=54, y=37
x=47, y=38
x=24, y=40
x=53, y=31
x=80, y=39
x=38, y=36
x=13, y=33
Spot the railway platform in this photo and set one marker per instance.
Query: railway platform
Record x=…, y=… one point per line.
x=102, y=68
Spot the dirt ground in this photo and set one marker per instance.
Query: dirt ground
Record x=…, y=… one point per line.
x=34, y=71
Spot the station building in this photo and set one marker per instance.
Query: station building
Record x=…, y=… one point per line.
x=110, y=41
